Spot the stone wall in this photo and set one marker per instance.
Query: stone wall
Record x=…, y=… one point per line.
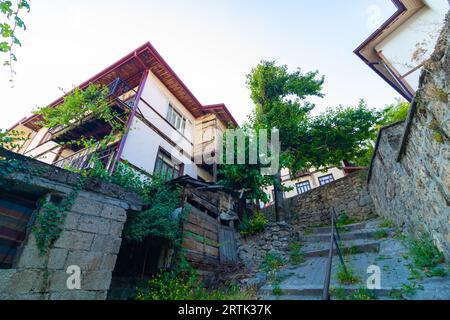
x=348, y=194
x=410, y=176
x=275, y=238
x=90, y=239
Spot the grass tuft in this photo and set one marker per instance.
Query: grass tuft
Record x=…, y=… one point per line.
x=344, y=277
x=296, y=256
x=387, y=224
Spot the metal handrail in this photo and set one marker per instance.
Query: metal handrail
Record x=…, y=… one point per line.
x=334, y=240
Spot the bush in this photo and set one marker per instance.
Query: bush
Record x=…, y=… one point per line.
x=344, y=220
x=426, y=256
x=160, y=198
x=173, y=285
x=272, y=262
x=254, y=225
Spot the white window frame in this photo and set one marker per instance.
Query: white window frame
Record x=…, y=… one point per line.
x=327, y=180
x=176, y=119
x=299, y=185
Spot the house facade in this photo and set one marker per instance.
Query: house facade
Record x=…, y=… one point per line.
x=305, y=181
x=167, y=127
x=398, y=49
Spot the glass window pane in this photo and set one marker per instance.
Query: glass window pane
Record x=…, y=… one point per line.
x=326, y=179
x=303, y=187
x=169, y=113
x=158, y=165
x=183, y=126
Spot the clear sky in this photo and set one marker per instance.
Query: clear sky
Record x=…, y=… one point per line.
x=211, y=45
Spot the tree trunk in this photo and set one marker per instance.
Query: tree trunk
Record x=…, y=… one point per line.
x=242, y=204
x=278, y=199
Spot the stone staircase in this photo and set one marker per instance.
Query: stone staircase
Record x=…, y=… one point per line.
x=361, y=247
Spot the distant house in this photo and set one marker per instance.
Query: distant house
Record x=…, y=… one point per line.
x=398, y=49
x=306, y=180
x=167, y=125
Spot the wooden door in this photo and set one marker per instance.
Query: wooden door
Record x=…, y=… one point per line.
x=227, y=240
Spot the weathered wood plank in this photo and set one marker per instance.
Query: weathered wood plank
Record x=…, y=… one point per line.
x=189, y=227
x=208, y=205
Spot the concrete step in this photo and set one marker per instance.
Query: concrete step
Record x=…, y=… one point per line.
x=293, y=290
x=288, y=298
x=359, y=234
x=289, y=292
x=321, y=249
x=349, y=227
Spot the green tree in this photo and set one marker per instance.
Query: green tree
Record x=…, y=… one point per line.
x=245, y=177
x=392, y=113
x=10, y=22
x=280, y=99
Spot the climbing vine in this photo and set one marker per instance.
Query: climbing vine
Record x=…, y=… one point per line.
x=77, y=105
x=159, y=219
x=50, y=217
x=11, y=139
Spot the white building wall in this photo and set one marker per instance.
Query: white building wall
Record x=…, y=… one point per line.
x=142, y=145
x=159, y=97
x=413, y=42
x=143, y=142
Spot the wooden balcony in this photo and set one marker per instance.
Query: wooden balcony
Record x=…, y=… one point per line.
x=121, y=100
x=84, y=159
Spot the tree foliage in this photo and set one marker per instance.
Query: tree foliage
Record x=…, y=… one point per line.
x=77, y=106
x=306, y=141
x=10, y=21
x=394, y=112
x=246, y=176
x=160, y=219
x=280, y=98
x=160, y=199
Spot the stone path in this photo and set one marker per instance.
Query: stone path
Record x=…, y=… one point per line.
x=362, y=249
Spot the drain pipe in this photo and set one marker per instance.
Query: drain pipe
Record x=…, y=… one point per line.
x=131, y=118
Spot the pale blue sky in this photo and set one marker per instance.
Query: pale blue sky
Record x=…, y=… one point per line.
x=211, y=45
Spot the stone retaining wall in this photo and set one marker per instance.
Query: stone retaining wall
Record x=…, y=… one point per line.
x=90, y=239
x=276, y=238
x=410, y=176
x=348, y=194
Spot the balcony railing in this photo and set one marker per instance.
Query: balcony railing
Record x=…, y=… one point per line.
x=117, y=89
x=84, y=159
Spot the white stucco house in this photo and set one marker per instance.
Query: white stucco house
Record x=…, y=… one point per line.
x=397, y=50
x=166, y=123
